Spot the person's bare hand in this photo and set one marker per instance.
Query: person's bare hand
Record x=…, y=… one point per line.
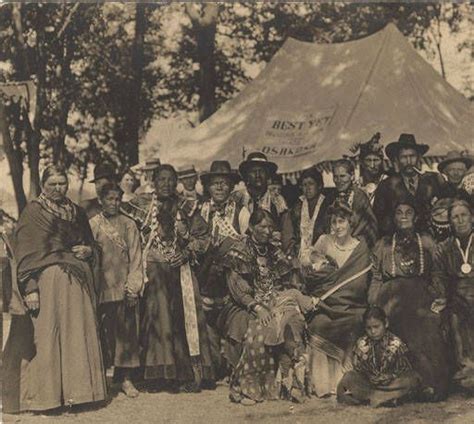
x=177, y=260
x=32, y=301
x=131, y=300
x=263, y=315
x=438, y=305
x=82, y=251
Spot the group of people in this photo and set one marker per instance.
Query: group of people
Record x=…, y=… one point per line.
x=364, y=290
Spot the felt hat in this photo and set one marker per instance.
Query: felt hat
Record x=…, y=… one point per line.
x=104, y=170
x=455, y=156
x=405, y=141
x=220, y=168
x=257, y=158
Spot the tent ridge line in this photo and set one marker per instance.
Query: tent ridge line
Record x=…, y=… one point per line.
x=367, y=79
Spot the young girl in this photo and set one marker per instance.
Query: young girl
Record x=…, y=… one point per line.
x=382, y=374
x=121, y=282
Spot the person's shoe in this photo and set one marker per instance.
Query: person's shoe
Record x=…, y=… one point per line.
x=297, y=395
x=247, y=402
x=129, y=389
x=192, y=387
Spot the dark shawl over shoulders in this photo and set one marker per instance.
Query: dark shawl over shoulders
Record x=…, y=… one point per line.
x=42, y=240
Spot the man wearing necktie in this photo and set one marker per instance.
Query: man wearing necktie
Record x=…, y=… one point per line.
x=408, y=184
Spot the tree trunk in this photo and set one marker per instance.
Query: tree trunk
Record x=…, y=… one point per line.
x=128, y=132
x=14, y=158
x=204, y=24
x=32, y=130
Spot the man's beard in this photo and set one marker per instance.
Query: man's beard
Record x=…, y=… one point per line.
x=411, y=171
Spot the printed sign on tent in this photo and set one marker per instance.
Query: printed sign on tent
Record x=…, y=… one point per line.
x=291, y=134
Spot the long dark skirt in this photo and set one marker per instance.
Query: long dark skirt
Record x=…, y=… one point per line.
x=462, y=327
x=59, y=358
x=355, y=388
x=164, y=347
x=407, y=304
x=119, y=326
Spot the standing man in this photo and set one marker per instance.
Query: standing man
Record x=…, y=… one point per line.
x=103, y=174
x=147, y=186
x=256, y=171
x=408, y=184
x=188, y=177
x=371, y=166
x=224, y=216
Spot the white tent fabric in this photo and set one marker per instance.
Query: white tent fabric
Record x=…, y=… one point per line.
x=312, y=102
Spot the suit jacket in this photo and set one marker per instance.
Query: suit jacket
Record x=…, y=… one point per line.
x=393, y=190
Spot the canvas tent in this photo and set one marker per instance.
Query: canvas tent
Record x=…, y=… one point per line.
x=312, y=102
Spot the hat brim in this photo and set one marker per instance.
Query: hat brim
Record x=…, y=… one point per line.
x=392, y=149
x=444, y=163
x=149, y=167
x=102, y=176
x=233, y=177
x=272, y=167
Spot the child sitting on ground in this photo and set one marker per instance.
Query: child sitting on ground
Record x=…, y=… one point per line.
x=382, y=374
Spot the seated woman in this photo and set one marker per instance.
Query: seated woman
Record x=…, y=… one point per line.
x=453, y=275
x=401, y=284
x=264, y=317
x=121, y=281
x=382, y=374
x=339, y=277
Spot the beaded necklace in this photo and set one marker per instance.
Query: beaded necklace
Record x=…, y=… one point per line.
x=420, y=252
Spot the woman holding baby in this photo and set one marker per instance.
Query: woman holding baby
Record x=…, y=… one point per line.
x=338, y=275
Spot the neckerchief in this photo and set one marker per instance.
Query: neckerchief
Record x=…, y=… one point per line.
x=265, y=202
x=65, y=211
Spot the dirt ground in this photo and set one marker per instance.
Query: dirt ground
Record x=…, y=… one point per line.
x=213, y=407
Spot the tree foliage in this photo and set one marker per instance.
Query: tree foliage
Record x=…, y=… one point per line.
x=105, y=70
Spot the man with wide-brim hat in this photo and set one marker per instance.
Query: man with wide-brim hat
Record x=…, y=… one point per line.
x=188, y=177
x=256, y=171
x=148, y=170
x=226, y=219
x=408, y=182
x=104, y=173
x=454, y=167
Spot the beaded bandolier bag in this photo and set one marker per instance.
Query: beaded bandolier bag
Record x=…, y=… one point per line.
x=166, y=247
x=221, y=221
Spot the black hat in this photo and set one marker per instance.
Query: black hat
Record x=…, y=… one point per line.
x=104, y=170
x=257, y=158
x=220, y=168
x=405, y=141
